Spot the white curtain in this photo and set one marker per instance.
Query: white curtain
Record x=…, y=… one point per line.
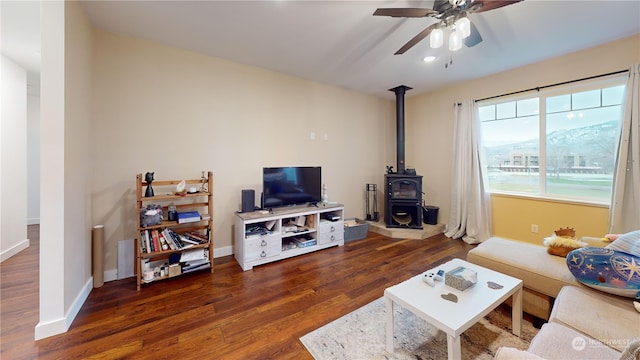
x=470, y=216
x=624, y=214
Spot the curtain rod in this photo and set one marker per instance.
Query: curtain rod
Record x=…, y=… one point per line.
x=552, y=85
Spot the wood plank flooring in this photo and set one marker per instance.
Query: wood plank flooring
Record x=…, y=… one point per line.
x=230, y=314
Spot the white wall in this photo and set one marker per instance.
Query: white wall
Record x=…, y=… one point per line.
x=52, y=236
x=33, y=159
x=13, y=159
x=177, y=113
x=66, y=167
x=78, y=164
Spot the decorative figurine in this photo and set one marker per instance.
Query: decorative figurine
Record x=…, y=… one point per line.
x=148, y=177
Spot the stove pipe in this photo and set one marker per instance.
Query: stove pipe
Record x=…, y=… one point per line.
x=399, y=91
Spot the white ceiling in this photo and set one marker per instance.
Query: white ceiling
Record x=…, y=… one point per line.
x=340, y=43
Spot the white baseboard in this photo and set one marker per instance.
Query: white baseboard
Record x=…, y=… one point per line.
x=225, y=251
x=110, y=275
x=14, y=250
x=60, y=326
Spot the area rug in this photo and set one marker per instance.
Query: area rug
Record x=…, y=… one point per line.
x=361, y=335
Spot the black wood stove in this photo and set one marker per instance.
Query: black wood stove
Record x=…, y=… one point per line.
x=403, y=189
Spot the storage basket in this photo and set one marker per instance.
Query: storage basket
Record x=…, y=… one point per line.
x=355, y=229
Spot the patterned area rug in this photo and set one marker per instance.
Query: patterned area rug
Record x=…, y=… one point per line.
x=361, y=335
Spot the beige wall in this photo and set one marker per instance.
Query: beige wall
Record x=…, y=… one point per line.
x=430, y=126
x=78, y=164
x=177, y=113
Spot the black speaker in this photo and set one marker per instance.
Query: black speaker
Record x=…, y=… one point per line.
x=248, y=200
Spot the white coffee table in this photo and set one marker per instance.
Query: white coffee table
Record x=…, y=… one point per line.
x=454, y=318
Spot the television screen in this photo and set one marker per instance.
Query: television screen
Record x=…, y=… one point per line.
x=284, y=186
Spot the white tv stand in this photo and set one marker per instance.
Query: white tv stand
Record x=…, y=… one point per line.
x=262, y=237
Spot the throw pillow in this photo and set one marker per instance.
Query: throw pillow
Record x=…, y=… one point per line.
x=607, y=270
x=562, y=241
x=561, y=246
x=629, y=243
x=631, y=351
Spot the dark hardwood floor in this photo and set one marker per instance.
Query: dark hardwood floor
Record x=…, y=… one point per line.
x=230, y=314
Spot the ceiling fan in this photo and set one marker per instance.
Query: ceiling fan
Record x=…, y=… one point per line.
x=452, y=15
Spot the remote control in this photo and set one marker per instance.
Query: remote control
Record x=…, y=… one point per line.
x=428, y=278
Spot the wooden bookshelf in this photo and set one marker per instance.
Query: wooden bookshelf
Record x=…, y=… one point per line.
x=162, y=255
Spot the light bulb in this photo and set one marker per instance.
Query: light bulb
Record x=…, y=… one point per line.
x=463, y=25
x=455, y=41
x=437, y=38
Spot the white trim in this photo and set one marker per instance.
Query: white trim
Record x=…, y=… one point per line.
x=33, y=221
x=111, y=275
x=59, y=326
x=14, y=250
x=224, y=251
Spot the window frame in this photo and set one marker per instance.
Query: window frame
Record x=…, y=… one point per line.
x=542, y=94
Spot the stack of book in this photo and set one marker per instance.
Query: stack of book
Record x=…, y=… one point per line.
x=305, y=241
x=188, y=217
x=193, y=260
x=164, y=240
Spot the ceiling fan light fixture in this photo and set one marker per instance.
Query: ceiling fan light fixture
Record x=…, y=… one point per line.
x=463, y=26
x=429, y=59
x=437, y=38
x=455, y=41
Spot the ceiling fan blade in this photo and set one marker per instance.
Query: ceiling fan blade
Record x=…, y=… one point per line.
x=405, y=12
x=474, y=38
x=416, y=39
x=486, y=5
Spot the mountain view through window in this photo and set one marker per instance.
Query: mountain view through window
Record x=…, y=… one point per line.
x=556, y=144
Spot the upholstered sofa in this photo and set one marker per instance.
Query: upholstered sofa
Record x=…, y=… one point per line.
x=581, y=322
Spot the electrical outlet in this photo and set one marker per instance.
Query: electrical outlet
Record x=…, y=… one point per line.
x=534, y=228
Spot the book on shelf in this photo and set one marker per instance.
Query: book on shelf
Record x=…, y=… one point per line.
x=305, y=241
x=163, y=241
x=188, y=216
x=145, y=234
x=166, y=239
x=193, y=237
x=202, y=238
x=169, y=238
x=195, y=260
x=156, y=242
x=194, y=255
x=194, y=267
x=143, y=243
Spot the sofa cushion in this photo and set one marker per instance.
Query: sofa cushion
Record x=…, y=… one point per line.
x=608, y=318
x=557, y=341
x=538, y=270
x=629, y=243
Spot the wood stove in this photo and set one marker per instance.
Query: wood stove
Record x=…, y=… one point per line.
x=403, y=189
x=403, y=206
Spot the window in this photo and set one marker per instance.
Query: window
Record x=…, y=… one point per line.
x=558, y=143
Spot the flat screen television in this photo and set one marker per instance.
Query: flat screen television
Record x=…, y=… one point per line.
x=293, y=185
